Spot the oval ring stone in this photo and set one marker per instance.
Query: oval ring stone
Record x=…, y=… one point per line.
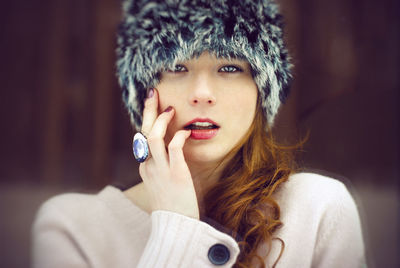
x=140, y=147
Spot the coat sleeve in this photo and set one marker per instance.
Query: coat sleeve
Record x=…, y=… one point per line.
x=71, y=238
x=340, y=241
x=180, y=241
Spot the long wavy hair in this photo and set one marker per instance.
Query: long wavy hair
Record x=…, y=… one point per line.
x=242, y=201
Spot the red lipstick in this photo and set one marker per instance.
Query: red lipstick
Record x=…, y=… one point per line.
x=203, y=134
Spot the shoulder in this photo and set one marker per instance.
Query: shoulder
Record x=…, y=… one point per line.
x=62, y=206
x=311, y=187
x=82, y=209
x=88, y=225
x=318, y=203
x=314, y=181
x=71, y=204
x=310, y=197
x=320, y=212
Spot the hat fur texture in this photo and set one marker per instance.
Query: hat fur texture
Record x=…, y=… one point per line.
x=156, y=35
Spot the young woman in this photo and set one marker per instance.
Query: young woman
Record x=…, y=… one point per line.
x=203, y=81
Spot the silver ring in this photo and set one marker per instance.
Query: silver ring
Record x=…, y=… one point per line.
x=140, y=147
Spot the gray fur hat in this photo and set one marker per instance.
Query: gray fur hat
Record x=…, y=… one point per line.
x=156, y=35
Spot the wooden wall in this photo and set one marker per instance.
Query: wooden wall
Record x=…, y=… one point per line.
x=64, y=121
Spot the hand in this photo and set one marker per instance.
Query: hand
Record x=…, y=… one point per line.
x=165, y=174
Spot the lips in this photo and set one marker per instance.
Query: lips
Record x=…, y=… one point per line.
x=202, y=128
x=201, y=124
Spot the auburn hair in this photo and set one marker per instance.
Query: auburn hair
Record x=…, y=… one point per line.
x=242, y=202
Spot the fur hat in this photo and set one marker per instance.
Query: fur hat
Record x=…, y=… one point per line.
x=155, y=35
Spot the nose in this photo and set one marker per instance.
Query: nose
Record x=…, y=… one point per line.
x=202, y=92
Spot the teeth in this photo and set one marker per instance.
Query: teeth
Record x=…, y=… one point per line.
x=202, y=124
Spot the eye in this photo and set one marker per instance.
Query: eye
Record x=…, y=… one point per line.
x=178, y=69
x=230, y=69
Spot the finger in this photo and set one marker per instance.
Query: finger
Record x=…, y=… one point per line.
x=142, y=171
x=150, y=111
x=175, y=150
x=148, y=171
x=157, y=134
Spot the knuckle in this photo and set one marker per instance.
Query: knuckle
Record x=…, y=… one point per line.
x=145, y=133
x=144, y=130
x=165, y=116
x=173, y=147
x=176, y=143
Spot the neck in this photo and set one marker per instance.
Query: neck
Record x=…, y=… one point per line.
x=205, y=176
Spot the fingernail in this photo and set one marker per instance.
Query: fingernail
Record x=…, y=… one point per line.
x=168, y=109
x=150, y=93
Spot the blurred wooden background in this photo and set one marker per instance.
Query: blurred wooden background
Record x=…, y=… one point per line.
x=64, y=126
x=64, y=117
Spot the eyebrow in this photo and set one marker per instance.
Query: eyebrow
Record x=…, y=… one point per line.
x=222, y=60
x=240, y=62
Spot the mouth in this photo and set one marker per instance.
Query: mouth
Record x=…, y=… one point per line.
x=202, y=129
x=201, y=124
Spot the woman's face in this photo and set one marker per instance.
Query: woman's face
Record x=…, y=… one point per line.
x=215, y=98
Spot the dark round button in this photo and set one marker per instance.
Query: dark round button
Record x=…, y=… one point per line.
x=219, y=254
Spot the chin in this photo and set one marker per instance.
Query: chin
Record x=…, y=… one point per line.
x=205, y=155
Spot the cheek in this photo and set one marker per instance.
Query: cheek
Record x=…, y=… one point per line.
x=242, y=105
x=243, y=111
x=245, y=115
x=167, y=93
